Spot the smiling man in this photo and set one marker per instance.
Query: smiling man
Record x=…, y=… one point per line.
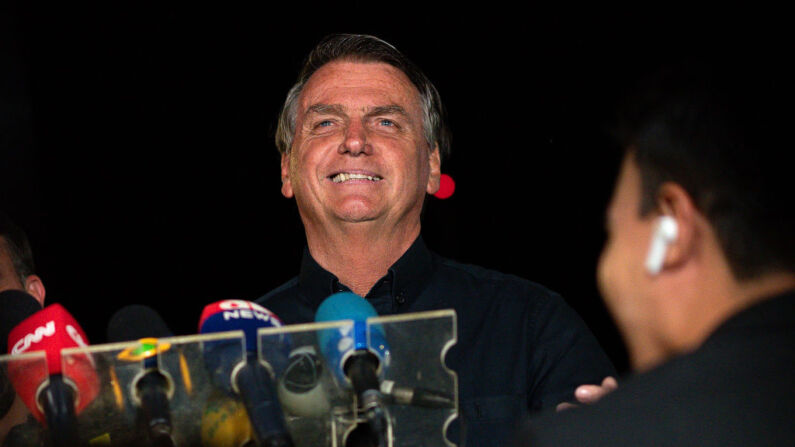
x=359, y=168
x=361, y=137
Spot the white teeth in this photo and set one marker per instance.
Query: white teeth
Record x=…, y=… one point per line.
x=343, y=177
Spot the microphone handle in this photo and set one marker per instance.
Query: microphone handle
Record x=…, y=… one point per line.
x=58, y=401
x=259, y=397
x=155, y=409
x=419, y=397
x=361, y=370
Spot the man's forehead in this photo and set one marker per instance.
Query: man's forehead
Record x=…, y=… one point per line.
x=627, y=190
x=341, y=109
x=360, y=80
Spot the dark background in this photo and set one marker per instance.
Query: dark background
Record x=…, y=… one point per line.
x=137, y=139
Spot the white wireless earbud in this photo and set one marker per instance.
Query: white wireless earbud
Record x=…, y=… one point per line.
x=664, y=233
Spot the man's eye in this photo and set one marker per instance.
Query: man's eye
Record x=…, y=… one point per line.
x=386, y=122
x=324, y=123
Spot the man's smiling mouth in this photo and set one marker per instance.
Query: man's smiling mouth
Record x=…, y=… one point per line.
x=344, y=177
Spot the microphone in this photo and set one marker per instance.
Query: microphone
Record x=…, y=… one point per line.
x=300, y=388
x=356, y=356
x=153, y=387
x=225, y=423
x=136, y=321
x=65, y=388
x=17, y=306
x=417, y=397
x=239, y=372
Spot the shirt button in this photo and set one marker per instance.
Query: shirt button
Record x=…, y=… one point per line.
x=400, y=299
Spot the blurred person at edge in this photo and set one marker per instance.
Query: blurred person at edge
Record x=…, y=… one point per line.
x=16, y=273
x=699, y=267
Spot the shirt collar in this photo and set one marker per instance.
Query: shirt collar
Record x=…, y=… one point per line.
x=407, y=276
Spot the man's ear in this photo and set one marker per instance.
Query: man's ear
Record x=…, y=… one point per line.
x=435, y=172
x=35, y=287
x=674, y=201
x=287, y=186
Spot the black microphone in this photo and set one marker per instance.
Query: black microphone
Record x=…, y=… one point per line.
x=135, y=322
x=417, y=397
x=139, y=322
x=17, y=306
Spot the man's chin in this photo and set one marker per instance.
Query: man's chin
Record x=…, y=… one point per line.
x=356, y=217
x=355, y=211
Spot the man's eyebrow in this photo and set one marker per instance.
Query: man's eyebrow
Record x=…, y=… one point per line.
x=387, y=110
x=326, y=109
x=339, y=110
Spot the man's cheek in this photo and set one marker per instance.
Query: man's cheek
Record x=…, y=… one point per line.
x=605, y=273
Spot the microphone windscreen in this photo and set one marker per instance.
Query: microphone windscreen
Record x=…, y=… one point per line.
x=337, y=344
x=51, y=330
x=135, y=322
x=16, y=306
x=344, y=306
x=225, y=423
x=231, y=315
x=222, y=356
x=301, y=389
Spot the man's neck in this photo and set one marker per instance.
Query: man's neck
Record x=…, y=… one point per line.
x=360, y=258
x=755, y=290
x=717, y=299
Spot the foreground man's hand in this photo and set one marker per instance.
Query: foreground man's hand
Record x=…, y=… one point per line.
x=589, y=394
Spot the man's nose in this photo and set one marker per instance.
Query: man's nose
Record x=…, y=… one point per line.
x=355, y=142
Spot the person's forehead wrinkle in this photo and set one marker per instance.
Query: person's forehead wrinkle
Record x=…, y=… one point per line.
x=392, y=109
x=367, y=111
x=326, y=109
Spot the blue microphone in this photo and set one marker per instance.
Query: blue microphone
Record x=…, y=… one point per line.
x=356, y=355
x=240, y=372
x=338, y=345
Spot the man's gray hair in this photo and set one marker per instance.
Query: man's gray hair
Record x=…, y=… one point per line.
x=365, y=48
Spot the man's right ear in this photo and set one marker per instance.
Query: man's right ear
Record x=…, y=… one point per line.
x=287, y=186
x=35, y=288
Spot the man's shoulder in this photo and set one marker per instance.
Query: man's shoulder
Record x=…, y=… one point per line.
x=284, y=303
x=737, y=399
x=286, y=290
x=493, y=283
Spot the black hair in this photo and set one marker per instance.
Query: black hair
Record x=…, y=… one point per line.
x=721, y=128
x=17, y=246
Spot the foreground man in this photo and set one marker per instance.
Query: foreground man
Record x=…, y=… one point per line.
x=362, y=137
x=699, y=268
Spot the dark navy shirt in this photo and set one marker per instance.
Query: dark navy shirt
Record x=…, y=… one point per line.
x=520, y=347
